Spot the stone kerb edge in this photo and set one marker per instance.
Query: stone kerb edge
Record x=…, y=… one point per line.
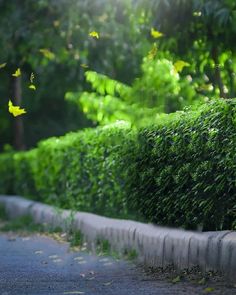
x=156, y=246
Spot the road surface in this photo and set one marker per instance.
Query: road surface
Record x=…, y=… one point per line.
x=39, y=265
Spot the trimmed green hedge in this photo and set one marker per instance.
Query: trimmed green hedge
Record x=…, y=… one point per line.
x=181, y=172
x=84, y=171
x=186, y=169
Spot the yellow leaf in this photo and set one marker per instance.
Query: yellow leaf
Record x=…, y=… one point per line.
x=32, y=78
x=15, y=110
x=47, y=53
x=156, y=34
x=179, y=65
x=32, y=86
x=17, y=73
x=56, y=23
x=94, y=34
x=153, y=52
x=3, y=65
x=84, y=66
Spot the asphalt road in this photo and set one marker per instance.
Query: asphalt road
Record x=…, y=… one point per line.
x=39, y=265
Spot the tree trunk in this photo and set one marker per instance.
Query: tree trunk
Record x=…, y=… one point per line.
x=218, y=79
x=231, y=81
x=18, y=121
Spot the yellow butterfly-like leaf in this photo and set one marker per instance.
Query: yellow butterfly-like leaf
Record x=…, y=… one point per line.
x=153, y=52
x=15, y=110
x=179, y=65
x=32, y=86
x=56, y=23
x=32, y=78
x=47, y=53
x=3, y=65
x=17, y=73
x=94, y=34
x=156, y=34
x=84, y=66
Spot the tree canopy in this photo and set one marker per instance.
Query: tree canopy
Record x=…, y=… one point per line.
x=137, y=43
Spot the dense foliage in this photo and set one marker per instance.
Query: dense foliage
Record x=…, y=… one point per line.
x=50, y=38
x=186, y=169
x=180, y=172
x=80, y=170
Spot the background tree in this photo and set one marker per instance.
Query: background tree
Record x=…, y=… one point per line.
x=201, y=31
x=51, y=38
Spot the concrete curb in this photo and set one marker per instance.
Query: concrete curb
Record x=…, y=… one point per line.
x=156, y=246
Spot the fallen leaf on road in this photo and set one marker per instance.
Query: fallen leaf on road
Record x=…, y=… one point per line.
x=75, y=249
x=108, y=283
x=57, y=260
x=11, y=239
x=104, y=260
x=107, y=264
x=176, y=280
x=25, y=239
x=82, y=262
x=53, y=256
x=38, y=252
x=202, y=281
x=79, y=258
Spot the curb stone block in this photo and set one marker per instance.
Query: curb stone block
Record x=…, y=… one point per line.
x=213, y=250
x=228, y=255
x=156, y=246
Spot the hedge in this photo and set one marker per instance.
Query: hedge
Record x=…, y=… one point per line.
x=186, y=169
x=179, y=172
x=83, y=171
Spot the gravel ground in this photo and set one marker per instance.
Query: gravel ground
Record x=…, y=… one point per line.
x=37, y=265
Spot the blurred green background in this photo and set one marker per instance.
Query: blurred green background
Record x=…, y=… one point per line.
x=128, y=73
